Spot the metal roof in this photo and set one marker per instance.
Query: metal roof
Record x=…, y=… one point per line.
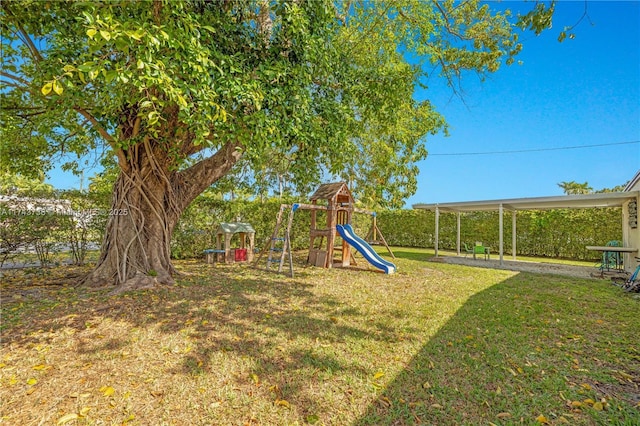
x=234, y=228
x=605, y=199
x=634, y=180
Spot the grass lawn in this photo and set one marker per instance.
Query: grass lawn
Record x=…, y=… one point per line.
x=434, y=344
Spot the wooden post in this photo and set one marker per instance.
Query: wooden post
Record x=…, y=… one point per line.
x=346, y=254
x=313, y=227
x=331, y=238
x=375, y=228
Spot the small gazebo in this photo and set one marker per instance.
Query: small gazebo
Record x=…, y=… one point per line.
x=225, y=234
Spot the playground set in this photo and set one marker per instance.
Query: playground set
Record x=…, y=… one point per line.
x=339, y=210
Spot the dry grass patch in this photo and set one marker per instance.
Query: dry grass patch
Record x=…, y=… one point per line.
x=231, y=345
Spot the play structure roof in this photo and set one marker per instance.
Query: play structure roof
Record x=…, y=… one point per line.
x=234, y=228
x=327, y=191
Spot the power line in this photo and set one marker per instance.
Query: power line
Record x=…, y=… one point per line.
x=534, y=149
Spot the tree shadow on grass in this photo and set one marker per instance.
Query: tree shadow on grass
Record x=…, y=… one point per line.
x=519, y=349
x=269, y=326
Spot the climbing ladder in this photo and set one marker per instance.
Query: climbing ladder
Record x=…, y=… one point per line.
x=280, y=244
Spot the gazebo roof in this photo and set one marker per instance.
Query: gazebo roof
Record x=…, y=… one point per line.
x=234, y=228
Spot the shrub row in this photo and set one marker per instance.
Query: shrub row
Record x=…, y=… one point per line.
x=561, y=233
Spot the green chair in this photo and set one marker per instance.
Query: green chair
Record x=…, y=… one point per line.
x=611, y=259
x=467, y=250
x=479, y=248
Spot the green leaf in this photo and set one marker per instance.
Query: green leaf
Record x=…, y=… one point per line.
x=110, y=75
x=105, y=35
x=140, y=64
x=86, y=67
x=91, y=32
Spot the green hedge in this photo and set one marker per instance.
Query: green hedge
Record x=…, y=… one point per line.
x=561, y=233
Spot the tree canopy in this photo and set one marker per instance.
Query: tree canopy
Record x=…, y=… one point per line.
x=181, y=91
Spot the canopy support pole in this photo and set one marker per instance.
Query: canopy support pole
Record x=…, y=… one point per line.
x=435, y=245
x=501, y=227
x=513, y=234
x=458, y=235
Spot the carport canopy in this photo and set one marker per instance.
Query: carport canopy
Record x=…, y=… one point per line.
x=582, y=201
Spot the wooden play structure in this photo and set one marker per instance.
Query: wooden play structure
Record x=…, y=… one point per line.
x=224, y=236
x=336, y=201
x=339, y=208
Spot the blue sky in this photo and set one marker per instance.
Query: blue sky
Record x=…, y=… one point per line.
x=584, y=91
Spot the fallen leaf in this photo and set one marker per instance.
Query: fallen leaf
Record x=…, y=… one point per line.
x=283, y=403
x=542, y=419
x=378, y=375
x=255, y=379
x=438, y=406
x=598, y=406
x=386, y=401
x=67, y=418
x=576, y=404
x=504, y=415
x=426, y=385
x=41, y=367
x=32, y=381
x=84, y=411
x=107, y=390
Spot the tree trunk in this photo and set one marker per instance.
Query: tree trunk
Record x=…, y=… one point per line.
x=136, y=248
x=147, y=202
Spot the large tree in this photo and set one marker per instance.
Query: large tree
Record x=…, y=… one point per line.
x=180, y=91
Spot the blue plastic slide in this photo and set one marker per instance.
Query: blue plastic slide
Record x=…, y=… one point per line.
x=347, y=234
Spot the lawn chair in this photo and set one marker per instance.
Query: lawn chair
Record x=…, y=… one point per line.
x=467, y=250
x=611, y=259
x=479, y=248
